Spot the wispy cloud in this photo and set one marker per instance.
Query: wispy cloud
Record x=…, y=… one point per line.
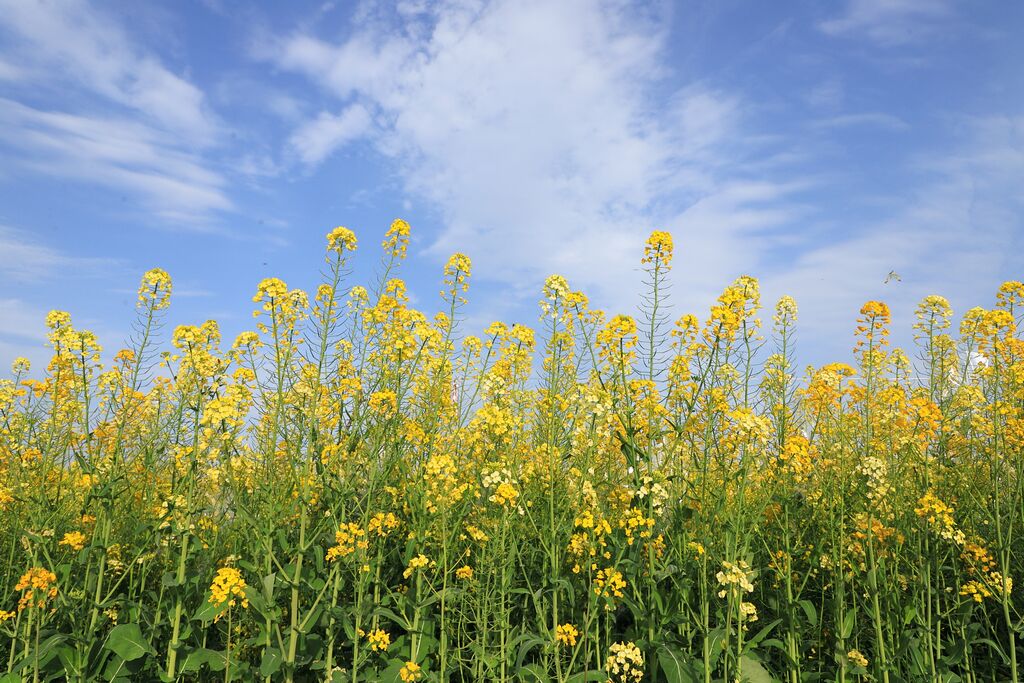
x=77, y=44
x=126, y=120
x=27, y=261
x=315, y=140
x=19, y=319
x=124, y=154
x=890, y=22
x=869, y=119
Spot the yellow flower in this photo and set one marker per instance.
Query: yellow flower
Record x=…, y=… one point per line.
x=341, y=239
x=617, y=341
x=270, y=288
x=556, y=292
x=411, y=672
x=379, y=640
x=39, y=585
x=415, y=563
x=748, y=611
x=6, y=616
x=566, y=634
x=383, y=403
x=20, y=365
x=785, y=311
x=58, y=319
x=625, y=663
x=155, y=289
x=737, y=577
x=382, y=524
x=227, y=585
x=505, y=494
x=975, y=590
x=348, y=538
x=609, y=583
x=658, y=250
x=74, y=540
x=857, y=658
x=396, y=239
x=465, y=572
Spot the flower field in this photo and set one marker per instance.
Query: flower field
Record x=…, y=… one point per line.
x=358, y=491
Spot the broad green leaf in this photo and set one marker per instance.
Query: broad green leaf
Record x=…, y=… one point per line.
x=270, y=662
x=196, y=658
x=754, y=672
x=208, y=611
x=127, y=642
x=675, y=666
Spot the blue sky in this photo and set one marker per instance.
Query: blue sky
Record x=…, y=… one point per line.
x=817, y=146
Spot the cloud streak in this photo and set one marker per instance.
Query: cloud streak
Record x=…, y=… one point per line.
x=26, y=261
x=890, y=22
x=127, y=122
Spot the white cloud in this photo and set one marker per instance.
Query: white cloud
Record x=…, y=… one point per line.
x=10, y=72
x=122, y=119
x=18, y=319
x=548, y=135
x=26, y=261
x=890, y=22
x=315, y=140
x=173, y=183
x=551, y=138
x=869, y=119
x=75, y=43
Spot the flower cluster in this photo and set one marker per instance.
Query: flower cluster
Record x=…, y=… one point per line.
x=625, y=663
x=347, y=539
x=227, y=586
x=566, y=634
x=37, y=586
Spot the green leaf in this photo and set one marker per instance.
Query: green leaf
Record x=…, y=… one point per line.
x=392, y=673
x=69, y=658
x=587, y=677
x=810, y=612
x=208, y=611
x=675, y=666
x=753, y=672
x=196, y=658
x=761, y=635
x=256, y=600
x=533, y=673
x=270, y=662
x=398, y=620
x=268, y=583
x=128, y=643
x=995, y=648
x=848, y=622
x=525, y=643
